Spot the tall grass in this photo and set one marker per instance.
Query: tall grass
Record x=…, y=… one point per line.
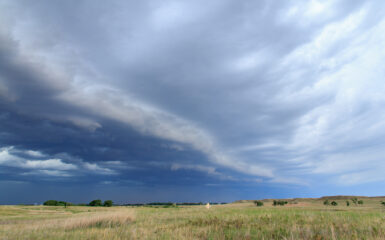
x=56, y=223
x=101, y=220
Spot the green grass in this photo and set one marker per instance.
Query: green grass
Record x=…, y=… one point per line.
x=307, y=219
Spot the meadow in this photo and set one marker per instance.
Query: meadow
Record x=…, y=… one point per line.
x=299, y=219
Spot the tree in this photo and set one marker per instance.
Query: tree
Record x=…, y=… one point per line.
x=95, y=203
x=347, y=203
x=63, y=203
x=360, y=202
x=108, y=203
x=51, y=203
x=334, y=203
x=383, y=203
x=326, y=202
x=279, y=202
x=258, y=203
x=354, y=200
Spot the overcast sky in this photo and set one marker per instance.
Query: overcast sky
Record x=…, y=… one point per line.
x=220, y=100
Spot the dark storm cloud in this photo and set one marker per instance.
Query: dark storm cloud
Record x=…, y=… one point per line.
x=278, y=91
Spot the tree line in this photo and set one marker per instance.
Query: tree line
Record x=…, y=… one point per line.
x=171, y=203
x=109, y=203
x=354, y=200
x=93, y=203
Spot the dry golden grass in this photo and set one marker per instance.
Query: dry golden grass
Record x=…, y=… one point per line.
x=61, y=223
x=105, y=220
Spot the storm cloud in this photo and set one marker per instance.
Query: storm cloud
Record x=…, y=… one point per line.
x=160, y=94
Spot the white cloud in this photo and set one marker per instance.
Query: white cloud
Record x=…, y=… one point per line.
x=289, y=180
x=201, y=168
x=12, y=157
x=251, y=61
x=361, y=177
x=340, y=136
x=50, y=173
x=331, y=34
x=94, y=167
x=49, y=164
x=172, y=14
x=34, y=153
x=7, y=158
x=304, y=14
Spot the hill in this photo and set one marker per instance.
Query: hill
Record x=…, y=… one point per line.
x=337, y=197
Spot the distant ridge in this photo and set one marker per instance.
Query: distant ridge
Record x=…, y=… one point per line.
x=341, y=197
x=337, y=197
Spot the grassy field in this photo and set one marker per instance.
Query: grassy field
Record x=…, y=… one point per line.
x=300, y=219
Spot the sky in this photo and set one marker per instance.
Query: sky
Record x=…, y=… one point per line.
x=187, y=101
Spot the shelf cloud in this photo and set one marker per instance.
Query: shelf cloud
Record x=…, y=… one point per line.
x=243, y=95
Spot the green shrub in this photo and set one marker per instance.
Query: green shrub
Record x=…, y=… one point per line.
x=62, y=203
x=95, y=203
x=108, y=203
x=51, y=203
x=334, y=203
x=258, y=203
x=383, y=203
x=57, y=203
x=170, y=206
x=361, y=202
x=279, y=202
x=326, y=202
x=347, y=203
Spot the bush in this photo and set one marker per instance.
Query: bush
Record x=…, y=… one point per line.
x=354, y=200
x=258, y=203
x=57, y=203
x=170, y=206
x=108, y=203
x=160, y=203
x=360, y=202
x=62, y=203
x=334, y=203
x=279, y=202
x=50, y=203
x=95, y=203
x=347, y=203
x=383, y=203
x=326, y=202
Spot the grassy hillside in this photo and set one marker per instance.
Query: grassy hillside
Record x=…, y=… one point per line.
x=299, y=219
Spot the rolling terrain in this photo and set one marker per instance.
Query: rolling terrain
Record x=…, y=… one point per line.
x=298, y=219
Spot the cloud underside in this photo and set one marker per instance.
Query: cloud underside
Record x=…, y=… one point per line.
x=278, y=92
x=37, y=163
